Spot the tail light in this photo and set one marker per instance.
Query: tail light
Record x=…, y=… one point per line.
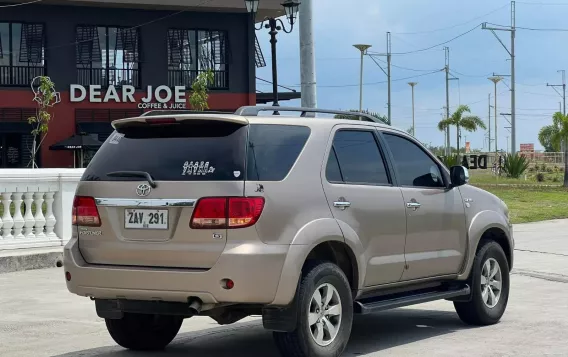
x=226, y=212
x=85, y=212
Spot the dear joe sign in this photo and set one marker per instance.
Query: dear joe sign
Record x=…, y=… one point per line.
x=473, y=162
x=161, y=97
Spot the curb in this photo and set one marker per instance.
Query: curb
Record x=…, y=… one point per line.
x=30, y=259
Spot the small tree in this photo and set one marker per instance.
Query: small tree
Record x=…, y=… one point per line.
x=469, y=122
x=378, y=116
x=559, y=135
x=46, y=97
x=199, y=95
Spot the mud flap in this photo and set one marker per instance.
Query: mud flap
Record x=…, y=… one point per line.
x=109, y=309
x=280, y=319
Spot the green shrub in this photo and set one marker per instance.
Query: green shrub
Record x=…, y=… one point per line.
x=543, y=167
x=556, y=179
x=515, y=165
x=540, y=177
x=449, y=161
x=550, y=169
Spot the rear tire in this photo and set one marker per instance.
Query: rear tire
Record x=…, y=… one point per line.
x=490, y=287
x=141, y=332
x=322, y=329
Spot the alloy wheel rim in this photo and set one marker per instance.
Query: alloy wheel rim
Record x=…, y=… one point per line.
x=324, y=314
x=491, y=283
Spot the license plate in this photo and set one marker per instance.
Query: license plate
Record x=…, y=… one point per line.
x=146, y=219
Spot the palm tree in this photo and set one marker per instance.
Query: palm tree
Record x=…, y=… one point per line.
x=381, y=118
x=556, y=134
x=469, y=122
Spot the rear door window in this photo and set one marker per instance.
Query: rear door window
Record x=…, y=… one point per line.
x=273, y=149
x=355, y=158
x=192, y=150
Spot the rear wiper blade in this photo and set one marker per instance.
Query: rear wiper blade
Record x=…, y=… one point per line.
x=142, y=174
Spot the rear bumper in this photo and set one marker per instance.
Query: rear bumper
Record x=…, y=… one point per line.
x=255, y=268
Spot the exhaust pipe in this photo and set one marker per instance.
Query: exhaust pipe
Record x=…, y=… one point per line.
x=195, y=305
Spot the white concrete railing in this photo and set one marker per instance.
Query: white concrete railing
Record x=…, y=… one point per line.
x=48, y=192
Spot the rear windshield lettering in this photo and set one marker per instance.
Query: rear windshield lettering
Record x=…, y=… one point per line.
x=197, y=168
x=115, y=138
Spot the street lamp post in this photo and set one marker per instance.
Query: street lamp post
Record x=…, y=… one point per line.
x=412, y=84
x=363, y=49
x=291, y=7
x=495, y=80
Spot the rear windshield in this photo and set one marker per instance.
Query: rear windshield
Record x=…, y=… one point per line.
x=189, y=151
x=200, y=151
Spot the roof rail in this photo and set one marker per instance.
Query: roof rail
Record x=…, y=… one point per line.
x=153, y=113
x=253, y=111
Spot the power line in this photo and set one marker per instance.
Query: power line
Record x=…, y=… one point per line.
x=369, y=83
x=21, y=4
x=542, y=3
x=453, y=26
x=540, y=29
x=470, y=75
x=439, y=44
x=406, y=68
x=533, y=28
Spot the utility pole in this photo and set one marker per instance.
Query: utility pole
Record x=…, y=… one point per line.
x=412, y=84
x=489, y=126
x=389, y=55
x=307, y=55
x=511, y=53
x=387, y=72
x=563, y=85
x=495, y=80
x=447, y=68
x=363, y=49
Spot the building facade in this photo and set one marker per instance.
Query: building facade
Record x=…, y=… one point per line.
x=113, y=59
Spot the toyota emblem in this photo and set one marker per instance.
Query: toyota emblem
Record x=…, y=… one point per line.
x=143, y=190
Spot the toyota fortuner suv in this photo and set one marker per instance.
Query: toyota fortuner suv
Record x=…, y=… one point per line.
x=303, y=220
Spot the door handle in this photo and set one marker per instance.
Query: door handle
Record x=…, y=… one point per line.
x=413, y=205
x=342, y=205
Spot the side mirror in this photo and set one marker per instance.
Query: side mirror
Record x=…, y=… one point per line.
x=459, y=176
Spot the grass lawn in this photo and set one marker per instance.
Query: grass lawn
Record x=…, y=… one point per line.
x=532, y=204
x=486, y=177
x=529, y=200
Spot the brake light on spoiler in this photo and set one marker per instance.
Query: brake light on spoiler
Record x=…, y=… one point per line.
x=226, y=212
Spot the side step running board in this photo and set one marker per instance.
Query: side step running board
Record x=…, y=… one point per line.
x=368, y=306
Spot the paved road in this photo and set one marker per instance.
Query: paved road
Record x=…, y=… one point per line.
x=39, y=318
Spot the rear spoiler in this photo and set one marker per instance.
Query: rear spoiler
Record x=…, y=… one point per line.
x=178, y=117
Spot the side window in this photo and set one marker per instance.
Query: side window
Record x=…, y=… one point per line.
x=273, y=150
x=332, y=171
x=414, y=166
x=356, y=159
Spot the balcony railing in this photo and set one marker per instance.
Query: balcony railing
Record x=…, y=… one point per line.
x=19, y=75
x=181, y=77
x=108, y=76
x=35, y=209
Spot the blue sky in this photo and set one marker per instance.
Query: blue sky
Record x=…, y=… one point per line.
x=473, y=57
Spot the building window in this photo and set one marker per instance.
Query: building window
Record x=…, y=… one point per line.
x=22, y=51
x=191, y=52
x=108, y=56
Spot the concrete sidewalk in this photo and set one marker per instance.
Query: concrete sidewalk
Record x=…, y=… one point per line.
x=30, y=259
